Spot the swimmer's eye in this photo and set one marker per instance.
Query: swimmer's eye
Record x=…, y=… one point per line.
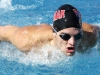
x=78, y=36
x=66, y=36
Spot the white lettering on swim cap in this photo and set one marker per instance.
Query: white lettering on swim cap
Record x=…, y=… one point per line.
x=59, y=14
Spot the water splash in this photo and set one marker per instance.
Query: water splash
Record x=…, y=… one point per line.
x=6, y=4
x=47, y=55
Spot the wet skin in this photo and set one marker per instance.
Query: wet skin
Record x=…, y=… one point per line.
x=68, y=47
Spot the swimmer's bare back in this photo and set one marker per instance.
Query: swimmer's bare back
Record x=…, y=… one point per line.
x=24, y=38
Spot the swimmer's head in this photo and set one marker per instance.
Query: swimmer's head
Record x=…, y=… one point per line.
x=67, y=16
x=67, y=25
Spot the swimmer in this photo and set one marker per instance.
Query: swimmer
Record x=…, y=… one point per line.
x=68, y=33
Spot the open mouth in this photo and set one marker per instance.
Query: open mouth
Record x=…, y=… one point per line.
x=71, y=49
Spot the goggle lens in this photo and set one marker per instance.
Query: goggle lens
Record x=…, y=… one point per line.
x=67, y=36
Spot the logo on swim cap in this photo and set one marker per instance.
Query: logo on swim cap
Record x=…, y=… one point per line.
x=67, y=16
x=77, y=13
x=59, y=14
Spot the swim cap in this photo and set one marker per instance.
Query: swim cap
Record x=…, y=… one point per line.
x=65, y=17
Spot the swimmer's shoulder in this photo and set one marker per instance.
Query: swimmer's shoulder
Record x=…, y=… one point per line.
x=90, y=35
x=36, y=27
x=43, y=25
x=88, y=27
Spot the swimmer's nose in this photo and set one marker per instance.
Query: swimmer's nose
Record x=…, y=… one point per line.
x=71, y=41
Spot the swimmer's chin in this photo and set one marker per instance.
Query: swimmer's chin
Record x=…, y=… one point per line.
x=69, y=54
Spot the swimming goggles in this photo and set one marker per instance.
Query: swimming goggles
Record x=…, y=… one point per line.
x=66, y=36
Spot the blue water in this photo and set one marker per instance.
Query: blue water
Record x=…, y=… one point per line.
x=28, y=12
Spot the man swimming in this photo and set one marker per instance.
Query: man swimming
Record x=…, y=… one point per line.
x=67, y=33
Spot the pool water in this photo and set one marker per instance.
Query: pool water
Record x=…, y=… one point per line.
x=29, y=12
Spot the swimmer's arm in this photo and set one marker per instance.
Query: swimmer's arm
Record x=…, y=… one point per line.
x=26, y=37
x=6, y=32
x=14, y=35
x=90, y=38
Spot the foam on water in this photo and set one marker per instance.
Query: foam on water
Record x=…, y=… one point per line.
x=47, y=55
x=7, y=5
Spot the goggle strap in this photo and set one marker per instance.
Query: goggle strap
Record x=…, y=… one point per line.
x=54, y=29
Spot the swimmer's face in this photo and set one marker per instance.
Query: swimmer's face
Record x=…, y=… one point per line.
x=68, y=39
